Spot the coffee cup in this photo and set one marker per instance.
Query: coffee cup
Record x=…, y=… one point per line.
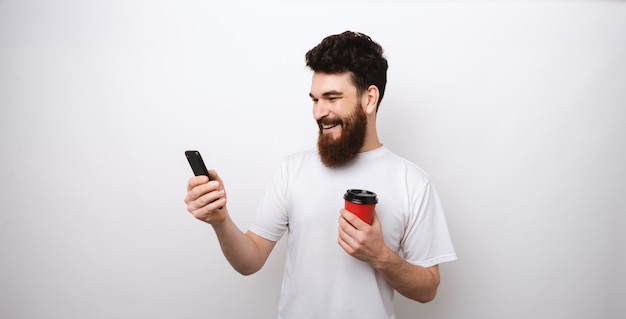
x=361, y=203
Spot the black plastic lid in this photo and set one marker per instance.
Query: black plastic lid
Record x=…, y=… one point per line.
x=360, y=196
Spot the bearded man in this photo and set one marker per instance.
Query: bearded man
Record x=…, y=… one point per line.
x=337, y=265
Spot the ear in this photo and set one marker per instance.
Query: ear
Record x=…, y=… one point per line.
x=369, y=99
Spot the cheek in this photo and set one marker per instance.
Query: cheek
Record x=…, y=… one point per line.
x=344, y=111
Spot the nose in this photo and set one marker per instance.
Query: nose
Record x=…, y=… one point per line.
x=320, y=109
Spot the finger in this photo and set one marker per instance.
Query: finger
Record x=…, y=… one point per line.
x=345, y=245
x=215, y=176
x=209, y=198
x=198, y=191
x=204, y=212
x=196, y=180
x=350, y=235
x=353, y=219
x=345, y=240
x=220, y=186
x=344, y=223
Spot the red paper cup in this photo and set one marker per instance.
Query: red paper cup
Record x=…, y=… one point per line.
x=361, y=203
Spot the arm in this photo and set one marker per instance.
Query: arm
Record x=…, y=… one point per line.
x=365, y=242
x=206, y=200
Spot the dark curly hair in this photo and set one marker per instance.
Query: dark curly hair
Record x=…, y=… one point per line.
x=351, y=52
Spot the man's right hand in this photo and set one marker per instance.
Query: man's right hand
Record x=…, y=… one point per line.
x=206, y=200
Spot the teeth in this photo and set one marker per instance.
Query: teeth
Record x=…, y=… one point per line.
x=327, y=126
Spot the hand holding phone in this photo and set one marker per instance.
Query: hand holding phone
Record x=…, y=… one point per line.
x=197, y=164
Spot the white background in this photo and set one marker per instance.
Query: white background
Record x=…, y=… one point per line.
x=516, y=109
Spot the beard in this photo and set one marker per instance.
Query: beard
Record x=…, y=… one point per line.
x=338, y=152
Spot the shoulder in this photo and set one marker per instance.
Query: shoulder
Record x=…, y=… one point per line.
x=300, y=158
x=307, y=154
x=406, y=172
x=297, y=161
x=404, y=164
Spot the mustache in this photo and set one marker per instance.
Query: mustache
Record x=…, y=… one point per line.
x=325, y=120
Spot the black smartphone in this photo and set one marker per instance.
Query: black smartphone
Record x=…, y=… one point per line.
x=197, y=164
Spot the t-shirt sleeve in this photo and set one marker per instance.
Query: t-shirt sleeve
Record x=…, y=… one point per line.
x=427, y=240
x=271, y=219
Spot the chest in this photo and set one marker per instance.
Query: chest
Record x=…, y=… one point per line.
x=316, y=198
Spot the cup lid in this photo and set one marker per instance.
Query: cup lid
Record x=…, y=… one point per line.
x=360, y=196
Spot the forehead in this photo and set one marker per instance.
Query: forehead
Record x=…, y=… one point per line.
x=323, y=83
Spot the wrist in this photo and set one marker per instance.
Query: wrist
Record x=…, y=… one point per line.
x=386, y=259
x=218, y=218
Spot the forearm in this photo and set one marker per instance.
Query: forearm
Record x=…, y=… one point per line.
x=412, y=281
x=239, y=249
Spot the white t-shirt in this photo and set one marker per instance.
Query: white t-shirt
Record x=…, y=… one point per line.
x=320, y=279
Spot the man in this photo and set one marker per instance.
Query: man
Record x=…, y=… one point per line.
x=338, y=266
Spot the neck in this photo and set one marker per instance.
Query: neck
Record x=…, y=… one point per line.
x=370, y=148
x=371, y=135
x=371, y=143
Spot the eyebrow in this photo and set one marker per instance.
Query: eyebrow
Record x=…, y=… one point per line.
x=327, y=93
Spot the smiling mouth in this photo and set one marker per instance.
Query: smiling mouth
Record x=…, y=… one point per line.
x=328, y=126
x=326, y=123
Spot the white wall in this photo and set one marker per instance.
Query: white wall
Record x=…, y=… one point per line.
x=515, y=109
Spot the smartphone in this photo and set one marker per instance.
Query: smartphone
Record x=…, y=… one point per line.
x=197, y=164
